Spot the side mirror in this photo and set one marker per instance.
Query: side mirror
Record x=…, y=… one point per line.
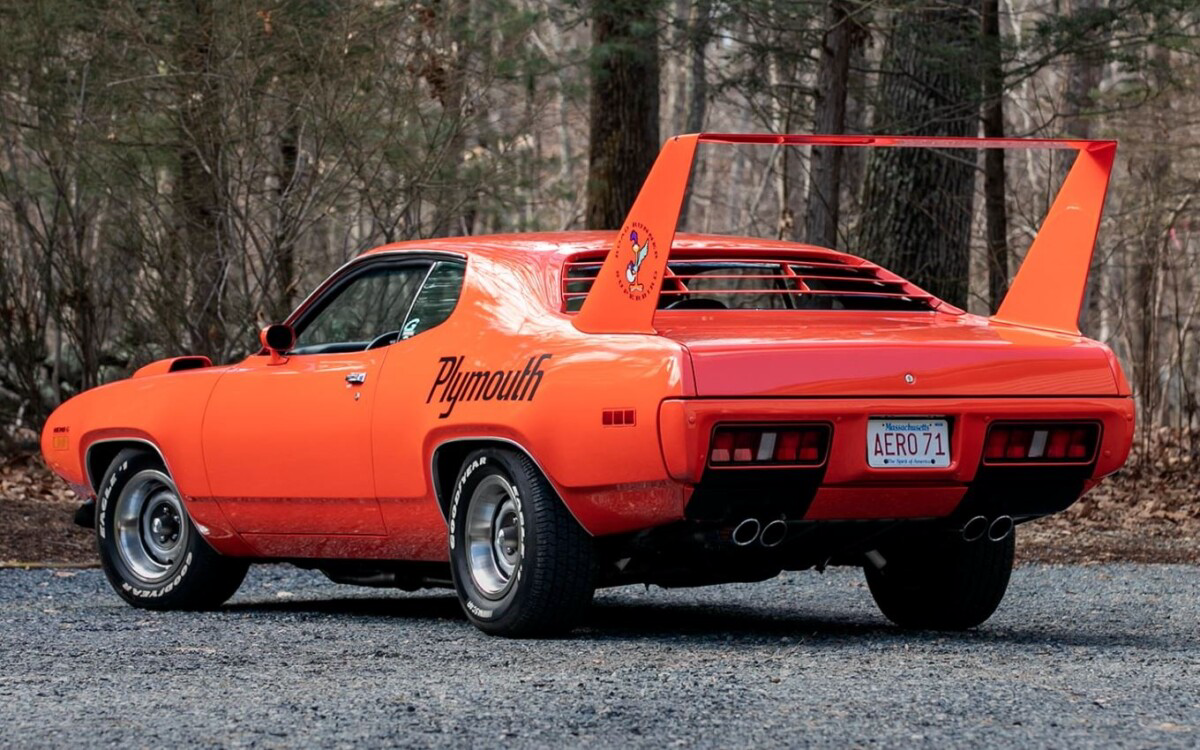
x=277, y=339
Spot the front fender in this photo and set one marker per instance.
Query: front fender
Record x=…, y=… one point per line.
x=164, y=412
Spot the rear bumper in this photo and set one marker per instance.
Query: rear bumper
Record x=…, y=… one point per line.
x=847, y=488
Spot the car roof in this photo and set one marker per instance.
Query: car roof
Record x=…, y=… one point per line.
x=557, y=246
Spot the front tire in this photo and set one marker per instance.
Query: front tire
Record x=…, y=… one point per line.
x=521, y=564
x=150, y=550
x=943, y=583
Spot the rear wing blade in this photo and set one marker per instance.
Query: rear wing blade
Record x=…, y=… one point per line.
x=1047, y=291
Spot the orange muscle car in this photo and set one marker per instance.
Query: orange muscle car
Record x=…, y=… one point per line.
x=528, y=417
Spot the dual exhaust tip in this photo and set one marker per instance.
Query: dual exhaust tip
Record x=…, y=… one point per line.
x=751, y=530
x=996, y=530
x=772, y=534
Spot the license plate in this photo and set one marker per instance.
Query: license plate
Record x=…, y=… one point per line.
x=908, y=443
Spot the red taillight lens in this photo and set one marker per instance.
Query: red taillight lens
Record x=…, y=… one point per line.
x=1057, y=444
x=722, y=448
x=1081, y=444
x=1040, y=443
x=745, y=445
x=769, y=446
x=1018, y=444
x=997, y=443
x=787, y=447
x=811, y=444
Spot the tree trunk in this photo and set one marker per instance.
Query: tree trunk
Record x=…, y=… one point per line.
x=917, y=202
x=1082, y=78
x=623, y=107
x=699, y=33
x=449, y=21
x=995, y=211
x=285, y=231
x=842, y=35
x=199, y=197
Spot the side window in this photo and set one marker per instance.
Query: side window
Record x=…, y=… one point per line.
x=371, y=304
x=437, y=298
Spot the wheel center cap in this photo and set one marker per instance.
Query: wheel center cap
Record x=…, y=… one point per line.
x=164, y=525
x=506, y=540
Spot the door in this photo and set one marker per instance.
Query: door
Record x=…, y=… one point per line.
x=288, y=445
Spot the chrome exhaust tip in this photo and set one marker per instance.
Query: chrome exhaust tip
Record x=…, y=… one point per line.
x=1000, y=529
x=746, y=532
x=974, y=529
x=773, y=533
x=876, y=559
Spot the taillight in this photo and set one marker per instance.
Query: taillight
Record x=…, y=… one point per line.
x=769, y=445
x=1041, y=443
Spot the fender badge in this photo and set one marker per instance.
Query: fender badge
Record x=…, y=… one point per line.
x=908, y=378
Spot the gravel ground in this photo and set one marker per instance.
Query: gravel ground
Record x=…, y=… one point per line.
x=1077, y=656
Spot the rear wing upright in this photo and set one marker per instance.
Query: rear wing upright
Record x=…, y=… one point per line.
x=1046, y=293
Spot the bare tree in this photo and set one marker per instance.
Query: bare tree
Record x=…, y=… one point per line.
x=174, y=175
x=917, y=203
x=843, y=33
x=623, y=107
x=995, y=209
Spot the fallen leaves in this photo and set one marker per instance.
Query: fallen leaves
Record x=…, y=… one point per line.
x=1147, y=512
x=37, y=517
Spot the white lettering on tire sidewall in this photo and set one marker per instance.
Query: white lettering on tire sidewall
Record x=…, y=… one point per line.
x=487, y=614
x=104, y=498
x=481, y=613
x=456, y=499
x=142, y=593
x=131, y=589
x=458, y=491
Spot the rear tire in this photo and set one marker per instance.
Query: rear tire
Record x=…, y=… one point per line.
x=150, y=550
x=522, y=565
x=942, y=583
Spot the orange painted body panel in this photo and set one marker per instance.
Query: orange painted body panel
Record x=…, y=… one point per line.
x=287, y=447
x=863, y=353
x=283, y=458
x=165, y=411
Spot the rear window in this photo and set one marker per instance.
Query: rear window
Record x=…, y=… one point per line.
x=764, y=284
x=437, y=299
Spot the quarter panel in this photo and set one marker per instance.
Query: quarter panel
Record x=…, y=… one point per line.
x=505, y=366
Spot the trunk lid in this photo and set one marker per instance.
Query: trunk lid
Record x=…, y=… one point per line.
x=847, y=353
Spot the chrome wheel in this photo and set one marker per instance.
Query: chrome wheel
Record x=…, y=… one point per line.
x=495, y=536
x=150, y=526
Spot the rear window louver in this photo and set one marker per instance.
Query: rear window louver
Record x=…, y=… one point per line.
x=762, y=283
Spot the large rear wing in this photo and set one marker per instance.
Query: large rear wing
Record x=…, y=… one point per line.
x=1047, y=292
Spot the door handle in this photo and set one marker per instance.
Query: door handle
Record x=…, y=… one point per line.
x=356, y=378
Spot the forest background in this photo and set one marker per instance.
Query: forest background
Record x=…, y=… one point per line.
x=174, y=175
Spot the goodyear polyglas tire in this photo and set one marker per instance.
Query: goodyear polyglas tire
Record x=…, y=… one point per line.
x=522, y=565
x=149, y=548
